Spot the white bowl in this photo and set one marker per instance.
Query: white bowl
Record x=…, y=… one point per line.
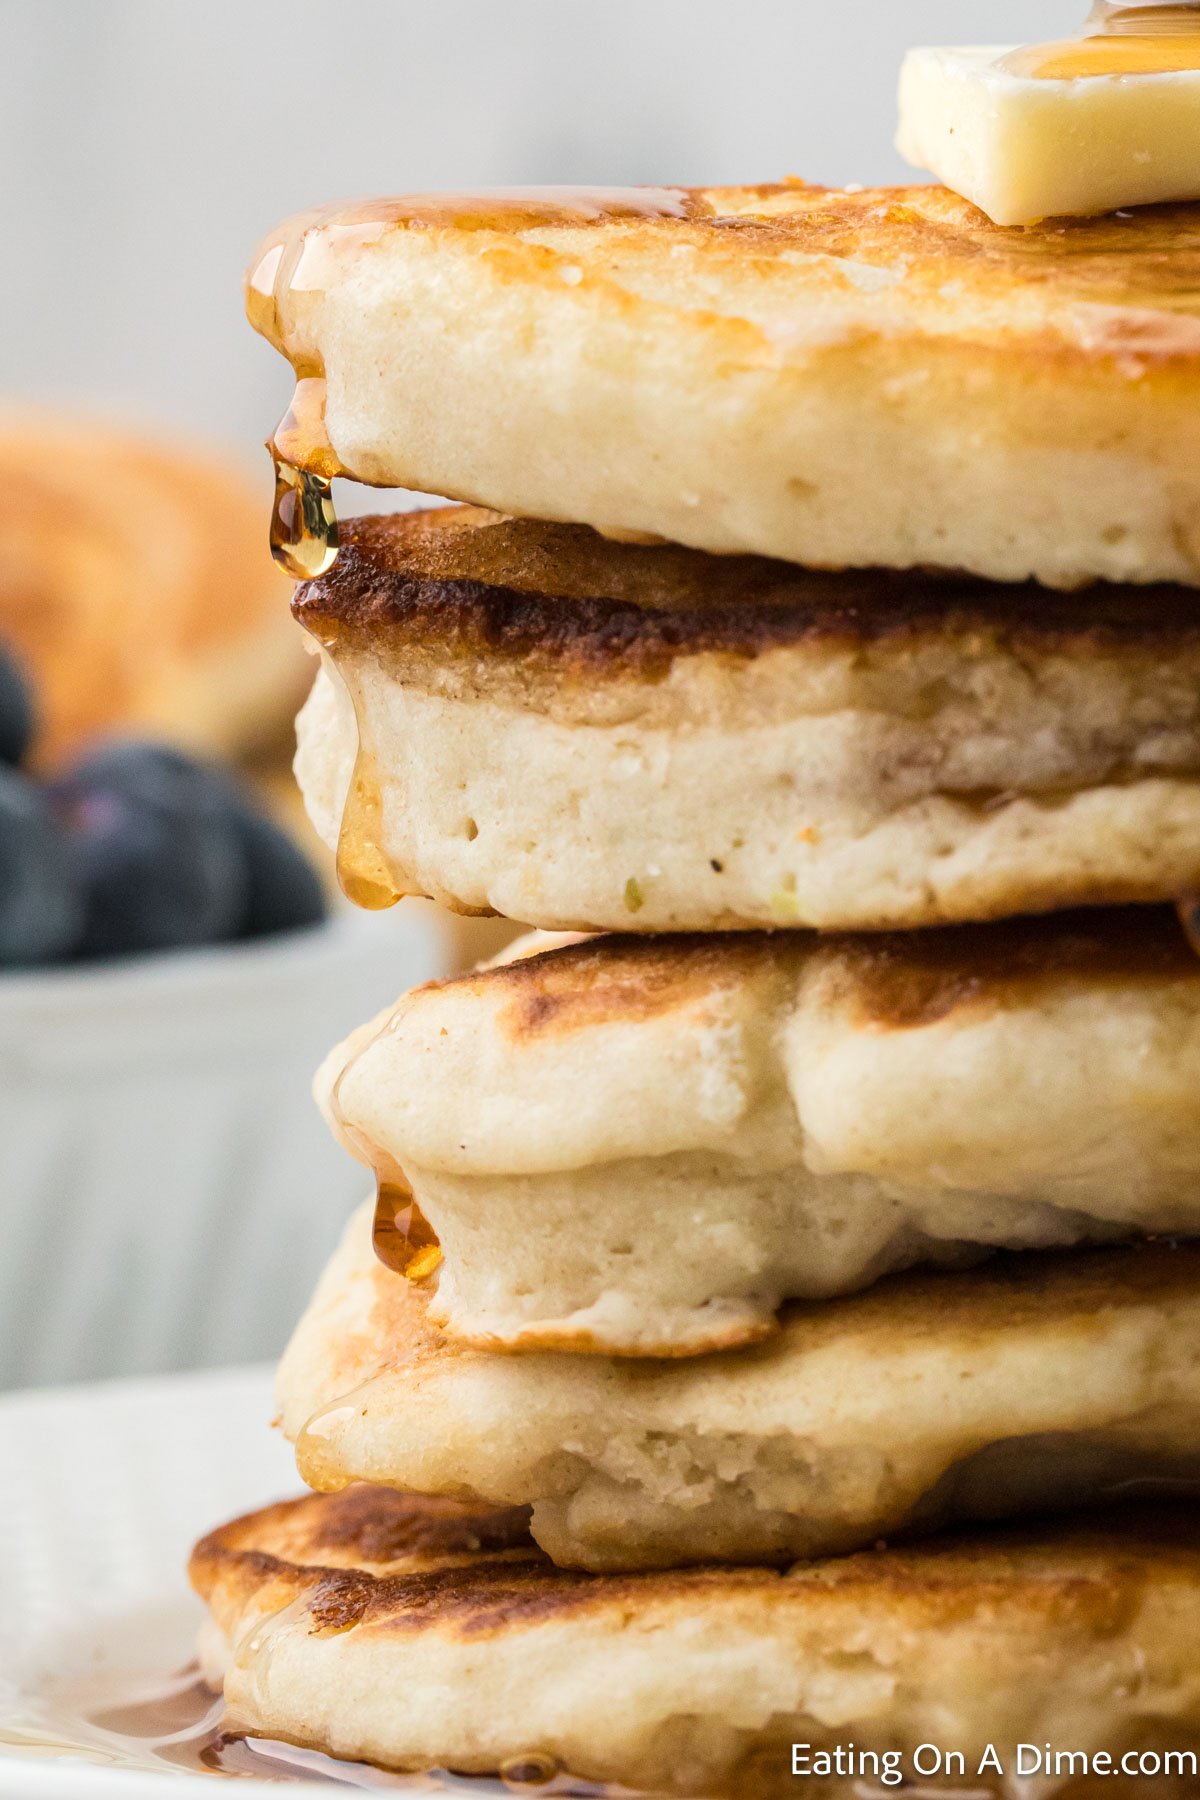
x=168, y=1191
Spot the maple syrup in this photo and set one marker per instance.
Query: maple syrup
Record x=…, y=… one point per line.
x=303, y=255
x=302, y=259
x=403, y=1237
x=304, y=532
x=182, y=1725
x=1120, y=40
x=363, y=871
x=404, y=1240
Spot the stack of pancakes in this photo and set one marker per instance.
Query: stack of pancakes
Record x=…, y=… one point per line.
x=778, y=1324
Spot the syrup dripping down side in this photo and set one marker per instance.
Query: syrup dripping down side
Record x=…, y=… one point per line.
x=304, y=528
x=363, y=870
x=306, y=257
x=404, y=1240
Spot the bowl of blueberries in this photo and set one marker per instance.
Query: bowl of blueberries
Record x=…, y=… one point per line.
x=172, y=970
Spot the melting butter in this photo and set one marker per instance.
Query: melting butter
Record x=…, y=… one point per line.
x=1099, y=123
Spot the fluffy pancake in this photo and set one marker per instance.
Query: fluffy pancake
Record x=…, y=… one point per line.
x=581, y=734
x=417, y=1634
x=841, y=379
x=136, y=586
x=644, y=1145
x=1034, y=1382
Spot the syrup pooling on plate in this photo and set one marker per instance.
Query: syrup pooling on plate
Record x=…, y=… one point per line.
x=1118, y=40
x=304, y=257
x=182, y=1726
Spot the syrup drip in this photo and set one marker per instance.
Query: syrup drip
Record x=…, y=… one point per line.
x=1127, y=40
x=303, y=259
x=404, y=1240
x=363, y=871
x=304, y=531
x=403, y=1237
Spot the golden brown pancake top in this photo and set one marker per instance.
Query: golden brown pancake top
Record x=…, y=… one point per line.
x=404, y=1563
x=894, y=980
x=467, y=583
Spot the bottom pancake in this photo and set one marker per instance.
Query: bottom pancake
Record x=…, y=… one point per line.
x=1035, y=1382
x=417, y=1634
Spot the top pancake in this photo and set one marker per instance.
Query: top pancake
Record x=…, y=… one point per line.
x=879, y=377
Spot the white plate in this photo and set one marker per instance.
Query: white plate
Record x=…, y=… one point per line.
x=103, y=1490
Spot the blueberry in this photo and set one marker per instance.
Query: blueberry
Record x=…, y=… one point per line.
x=16, y=711
x=286, y=893
x=157, y=848
x=41, y=907
x=153, y=774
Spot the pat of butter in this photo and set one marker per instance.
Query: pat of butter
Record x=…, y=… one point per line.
x=1025, y=148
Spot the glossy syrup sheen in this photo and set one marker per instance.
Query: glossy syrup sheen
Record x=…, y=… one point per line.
x=1123, y=40
x=1085, y=58
x=404, y=1240
x=182, y=1726
x=296, y=258
x=303, y=257
x=363, y=870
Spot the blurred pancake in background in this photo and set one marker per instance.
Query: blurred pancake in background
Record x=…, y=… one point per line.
x=137, y=588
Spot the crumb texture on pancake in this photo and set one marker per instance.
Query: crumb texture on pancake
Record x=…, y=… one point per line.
x=1038, y=1381
x=694, y=1682
x=585, y=735
x=838, y=379
x=645, y=1146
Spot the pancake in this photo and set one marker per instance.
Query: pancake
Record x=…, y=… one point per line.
x=837, y=378
x=586, y=735
x=1035, y=1382
x=418, y=1634
x=644, y=1146
x=137, y=589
